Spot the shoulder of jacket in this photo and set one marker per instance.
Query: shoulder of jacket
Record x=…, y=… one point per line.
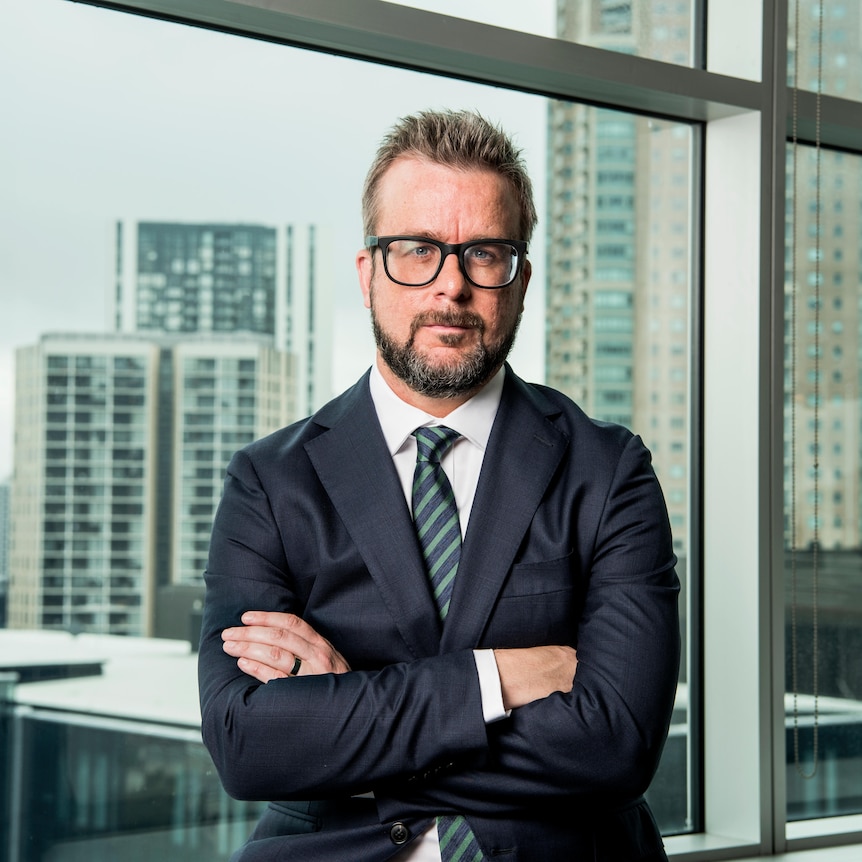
x=291, y=439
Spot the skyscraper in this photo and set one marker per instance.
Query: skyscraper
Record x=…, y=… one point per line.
x=619, y=258
x=225, y=394
x=231, y=278
x=823, y=289
x=223, y=333
x=82, y=513
x=120, y=446
x=620, y=194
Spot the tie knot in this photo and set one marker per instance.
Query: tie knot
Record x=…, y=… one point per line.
x=433, y=443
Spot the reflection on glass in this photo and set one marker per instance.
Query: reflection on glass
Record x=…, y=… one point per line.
x=823, y=506
x=117, y=793
x=536, y=17
x=657, y=30
x=829, y=46
x=619, y=285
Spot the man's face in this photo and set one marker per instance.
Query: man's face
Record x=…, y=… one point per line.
x=443, y=340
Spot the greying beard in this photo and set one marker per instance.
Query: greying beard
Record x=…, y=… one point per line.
x=469, y=373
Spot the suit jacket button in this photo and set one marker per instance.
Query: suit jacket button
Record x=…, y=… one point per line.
x=399, y=833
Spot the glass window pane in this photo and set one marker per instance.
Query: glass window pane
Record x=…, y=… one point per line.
x=618, y=322
x=118, y=792
x=193, y=176
x=827, y=54
x=823, y=519
x=660, y=30
x=536, y=18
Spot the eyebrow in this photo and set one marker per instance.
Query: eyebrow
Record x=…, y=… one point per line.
x=427, y=234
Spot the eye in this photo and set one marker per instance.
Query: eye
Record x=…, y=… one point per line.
x=413, y=249
x=486, y=255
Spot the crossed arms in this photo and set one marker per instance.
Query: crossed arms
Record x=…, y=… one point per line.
x=363, y=716
x=267, y=644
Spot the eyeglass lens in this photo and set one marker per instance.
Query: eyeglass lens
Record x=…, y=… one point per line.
x=487, y=264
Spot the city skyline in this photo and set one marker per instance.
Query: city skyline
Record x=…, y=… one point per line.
x=220, y=338
x=101, y=129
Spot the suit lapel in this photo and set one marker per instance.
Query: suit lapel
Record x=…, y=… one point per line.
x=356, y=469
x=523, y=453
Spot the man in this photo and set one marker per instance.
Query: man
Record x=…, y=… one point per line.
x=507, y=698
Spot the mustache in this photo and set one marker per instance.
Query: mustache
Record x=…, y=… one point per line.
x=466, y=319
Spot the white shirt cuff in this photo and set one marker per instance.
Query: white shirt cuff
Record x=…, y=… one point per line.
x=489, y=686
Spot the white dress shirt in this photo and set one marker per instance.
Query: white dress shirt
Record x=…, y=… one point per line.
x=462, y=464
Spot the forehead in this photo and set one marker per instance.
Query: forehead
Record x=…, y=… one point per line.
x=417, y=195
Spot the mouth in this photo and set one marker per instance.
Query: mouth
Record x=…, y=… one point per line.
x=451, y=334
x=448, y=325
x=447, y=329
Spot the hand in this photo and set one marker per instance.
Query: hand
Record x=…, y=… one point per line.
x=268, y=644
x=534, y=672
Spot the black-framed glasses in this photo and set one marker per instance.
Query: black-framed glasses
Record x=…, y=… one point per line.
x=414, y=261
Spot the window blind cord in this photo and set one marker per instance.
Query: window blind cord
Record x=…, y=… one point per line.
x=815, y=573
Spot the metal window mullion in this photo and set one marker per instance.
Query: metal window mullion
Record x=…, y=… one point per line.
x=840, y=120
x=439, y=44
x=16, y=782
x=773, y=179
x=737, y=227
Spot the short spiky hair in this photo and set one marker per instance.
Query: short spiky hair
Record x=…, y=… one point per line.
x=460, y=139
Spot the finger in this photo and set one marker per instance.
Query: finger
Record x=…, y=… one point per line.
x=281, y=660
x=278, y=633
x=288, y=623
x=263, y=635
x=272, y=638
x=295, y=635
x=261, y=672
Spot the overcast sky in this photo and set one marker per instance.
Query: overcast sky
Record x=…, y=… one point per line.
x=108, y=115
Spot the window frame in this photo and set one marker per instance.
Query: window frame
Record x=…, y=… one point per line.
x=745, y=122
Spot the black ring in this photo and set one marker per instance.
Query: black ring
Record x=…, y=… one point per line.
x=297, y=664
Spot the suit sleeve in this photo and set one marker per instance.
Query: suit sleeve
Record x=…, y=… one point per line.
x=314, y=736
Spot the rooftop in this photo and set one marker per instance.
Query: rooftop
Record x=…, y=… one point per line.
x=141, y=679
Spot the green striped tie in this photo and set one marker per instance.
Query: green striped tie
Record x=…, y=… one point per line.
x=457, y=841
x=438, y=527
x=435, y=513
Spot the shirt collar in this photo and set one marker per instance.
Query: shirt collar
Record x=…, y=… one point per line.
x=398, y=419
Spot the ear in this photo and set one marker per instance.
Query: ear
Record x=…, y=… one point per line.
x=526, y=274
x=364, y=268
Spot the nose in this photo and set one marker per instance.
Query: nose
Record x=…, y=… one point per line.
x=451, y=279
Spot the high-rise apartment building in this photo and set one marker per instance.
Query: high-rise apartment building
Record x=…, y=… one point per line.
x=184, y=278
x=83, y=505
x=620, y=198
x=223, y=334
x=823, y=289
x=120, y=446
x=619, y=239
x=225, y=394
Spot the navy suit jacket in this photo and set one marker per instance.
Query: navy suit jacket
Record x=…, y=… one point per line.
x=568, y=543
